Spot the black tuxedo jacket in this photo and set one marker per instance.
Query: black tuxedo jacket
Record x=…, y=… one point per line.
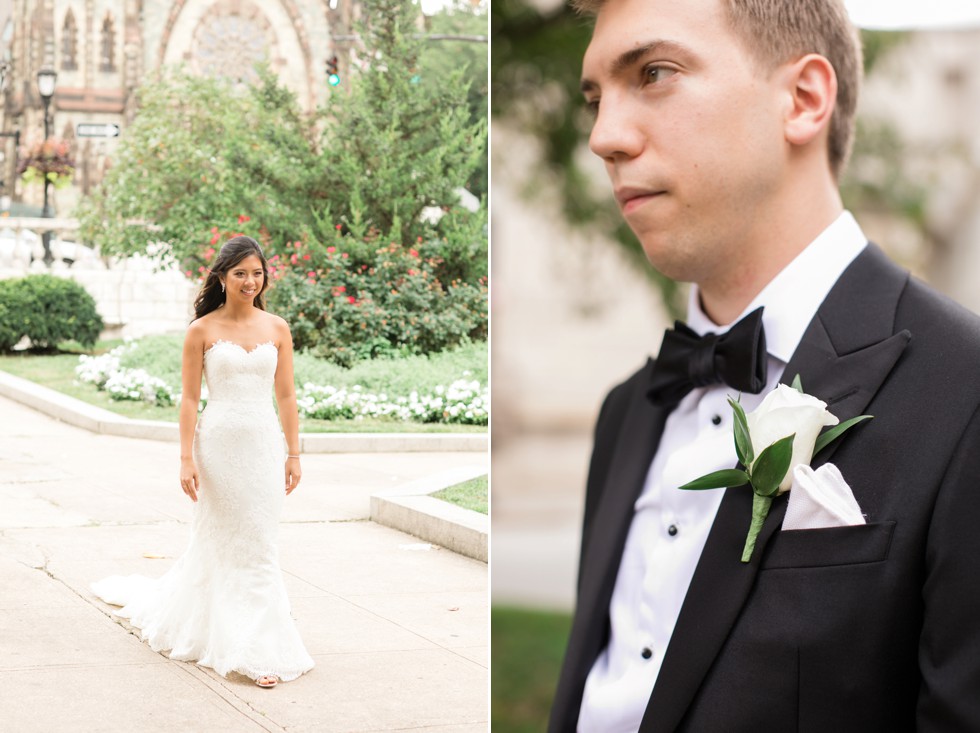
x=865, y=628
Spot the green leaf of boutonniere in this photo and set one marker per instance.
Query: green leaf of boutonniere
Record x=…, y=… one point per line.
x=797, y=384
x=835, y=432
x=718, y=480
x=770, y=468
x=743, y=444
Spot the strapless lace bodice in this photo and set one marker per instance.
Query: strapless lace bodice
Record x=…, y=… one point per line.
x=233, y=373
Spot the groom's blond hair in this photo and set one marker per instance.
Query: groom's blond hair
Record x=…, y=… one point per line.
x=777, y=31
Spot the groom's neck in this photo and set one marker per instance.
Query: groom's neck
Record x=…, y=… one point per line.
x=779, y=237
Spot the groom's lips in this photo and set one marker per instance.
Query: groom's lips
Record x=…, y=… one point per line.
x=629, y=198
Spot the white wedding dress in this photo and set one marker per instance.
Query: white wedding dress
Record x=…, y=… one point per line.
x=223, y=603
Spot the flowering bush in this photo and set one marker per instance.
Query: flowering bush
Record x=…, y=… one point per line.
x=464, y=402
x=106, y=373
x=136, y=384
x=49, y=159
x=348, y=299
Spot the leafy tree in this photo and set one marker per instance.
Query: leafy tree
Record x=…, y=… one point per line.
x=201, y=152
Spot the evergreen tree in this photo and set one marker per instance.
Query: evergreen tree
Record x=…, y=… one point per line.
x=393, y=145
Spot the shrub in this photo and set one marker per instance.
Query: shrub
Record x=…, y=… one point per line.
x=352, y=299
x=12, y=316
x=52, y=310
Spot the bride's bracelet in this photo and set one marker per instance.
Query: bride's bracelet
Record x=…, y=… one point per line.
x=290, y=456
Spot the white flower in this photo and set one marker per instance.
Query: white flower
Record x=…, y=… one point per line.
x=783, y=412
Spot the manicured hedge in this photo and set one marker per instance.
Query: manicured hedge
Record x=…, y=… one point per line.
x=47, y=310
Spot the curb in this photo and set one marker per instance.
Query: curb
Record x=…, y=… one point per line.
x=409, y=508
x=98, y=420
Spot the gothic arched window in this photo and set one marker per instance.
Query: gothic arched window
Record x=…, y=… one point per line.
x=69, y=43
x=107, y=55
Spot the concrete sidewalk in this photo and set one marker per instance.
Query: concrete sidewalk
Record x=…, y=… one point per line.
x=398, y=629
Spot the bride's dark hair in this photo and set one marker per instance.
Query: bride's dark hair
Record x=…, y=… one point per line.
x=232, y=252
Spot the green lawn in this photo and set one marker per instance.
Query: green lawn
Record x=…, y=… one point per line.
x=160, y=356
x=470, y=494
x=526, y=652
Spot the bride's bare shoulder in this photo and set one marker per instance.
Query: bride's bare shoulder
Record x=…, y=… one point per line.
x=197, y=332
x=271, y=320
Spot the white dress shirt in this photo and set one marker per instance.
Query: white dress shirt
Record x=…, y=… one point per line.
x=670, y=526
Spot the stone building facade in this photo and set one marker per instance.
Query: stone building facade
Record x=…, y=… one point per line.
x=103, y=49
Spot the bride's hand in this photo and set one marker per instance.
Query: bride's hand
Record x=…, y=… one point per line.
x=189, y=480
x=293, y=474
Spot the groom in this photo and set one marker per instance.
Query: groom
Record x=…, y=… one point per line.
x=724, y=126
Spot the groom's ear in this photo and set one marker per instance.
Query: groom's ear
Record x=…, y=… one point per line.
x=810, y=85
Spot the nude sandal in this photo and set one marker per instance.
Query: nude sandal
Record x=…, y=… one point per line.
x=267, y=680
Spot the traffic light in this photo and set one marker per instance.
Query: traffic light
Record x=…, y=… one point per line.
x=333, y=73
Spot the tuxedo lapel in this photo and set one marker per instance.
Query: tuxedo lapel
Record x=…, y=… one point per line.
x=844, y=357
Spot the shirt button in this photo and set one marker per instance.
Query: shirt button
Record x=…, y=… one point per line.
x=672, y=530
x=716, y=420
x=647, y=652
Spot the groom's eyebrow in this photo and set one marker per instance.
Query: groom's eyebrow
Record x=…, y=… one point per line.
x=628, y=59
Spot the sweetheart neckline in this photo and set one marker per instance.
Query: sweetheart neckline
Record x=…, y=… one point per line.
x=233, y=343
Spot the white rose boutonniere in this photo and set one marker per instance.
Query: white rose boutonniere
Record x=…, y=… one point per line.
x=772, y=440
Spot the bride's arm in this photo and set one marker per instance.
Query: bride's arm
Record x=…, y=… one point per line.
x=192, y=364
x=286, y=398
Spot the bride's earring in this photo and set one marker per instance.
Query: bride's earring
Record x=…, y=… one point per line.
x=222, y=287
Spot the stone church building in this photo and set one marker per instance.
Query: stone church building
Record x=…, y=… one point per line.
x=101, y=51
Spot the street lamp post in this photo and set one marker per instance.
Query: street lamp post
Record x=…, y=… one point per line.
x=46, y=79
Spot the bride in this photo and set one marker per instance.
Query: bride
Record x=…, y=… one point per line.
x=223, y=603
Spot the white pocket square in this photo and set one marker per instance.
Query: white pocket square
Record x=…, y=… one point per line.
x=820, y=499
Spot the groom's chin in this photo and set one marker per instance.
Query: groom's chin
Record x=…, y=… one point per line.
x=670, y=257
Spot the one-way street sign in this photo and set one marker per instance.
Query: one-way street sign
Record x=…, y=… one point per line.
x=97, y=129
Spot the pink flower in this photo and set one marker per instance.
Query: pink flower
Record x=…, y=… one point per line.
x=351, y=299
x=342, y=288
x=413, y=253
x=306, y=257
x=242, y=218
x=188, y=273
x=339, y=227
x=293, y=258
x=344, y=255
x=311, y=274
x=331, y=250
x=411, y=272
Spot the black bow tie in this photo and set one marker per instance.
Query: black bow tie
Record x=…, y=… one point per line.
x=686, y=360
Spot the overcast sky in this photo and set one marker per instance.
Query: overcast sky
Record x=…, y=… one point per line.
x=898, y=14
